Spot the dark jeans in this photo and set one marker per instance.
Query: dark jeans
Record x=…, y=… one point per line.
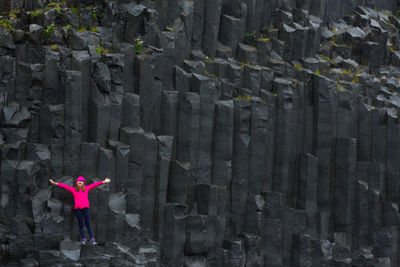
x=84, y=213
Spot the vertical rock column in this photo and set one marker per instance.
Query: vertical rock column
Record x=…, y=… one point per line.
x=99, y=114
x=344, y=185
x=222, y=143
x=360, y=217
x=52, y=132
x=208, y=91
x=257, y=165
x=212, y=201
x=307, y=190
x=233, y=25
x=164, y=160
x=72, y=121
x=131, y=110
x=378, y=138
x=198, y=22
x=364, y=132
x=89, y=159
x=273, y=231
x=25, y=176
x=212, y=17
x=81, y=62
x=325, y=103
x=173, y=242
x=116, y=115
x=121, y=152
x=180, y=186
x=188, y=131
x=150, y=89
x=106, y=163
x=51, y=78
x=169, y=116
x=149, y=171
x=284, y=147
x=392, y=159
x=131, y=137
x=240, y=165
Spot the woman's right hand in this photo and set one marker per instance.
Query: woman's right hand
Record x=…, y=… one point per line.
x=51, y=181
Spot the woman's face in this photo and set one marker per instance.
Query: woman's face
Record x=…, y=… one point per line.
x=80, y=184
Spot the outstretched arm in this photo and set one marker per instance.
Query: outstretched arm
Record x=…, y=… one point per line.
x=67, y=187
x=91, y=186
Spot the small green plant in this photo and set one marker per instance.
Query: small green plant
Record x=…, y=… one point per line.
x=75, y=10
x=339, y=87
x=94, y=16
x=211, y=74
x=13, y=13
x=247, y=34
x=169, y=28
x=54, y=47
x=82, y=29
x=49, y=30
x=275, y=94
x=68, y=26
x=317, y=72
x=138, y=46
x=58, y=9
x=264, y=39
x=347, y=71
x=324, y=57
x=101, y=50
x=5, y=23
x=298, y=67
x=101, y=15
x=36, y=13
x=244, y=97
x=53, y=4
x=93, y=29
x=334, y=31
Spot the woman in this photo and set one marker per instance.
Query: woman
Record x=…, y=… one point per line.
x=80, y=192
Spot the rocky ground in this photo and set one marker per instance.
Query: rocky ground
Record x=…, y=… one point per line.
x=235, y=133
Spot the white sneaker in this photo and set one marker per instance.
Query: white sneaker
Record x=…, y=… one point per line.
x=93, y=241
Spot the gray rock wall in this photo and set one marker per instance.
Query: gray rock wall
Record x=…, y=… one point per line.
x=235, y=133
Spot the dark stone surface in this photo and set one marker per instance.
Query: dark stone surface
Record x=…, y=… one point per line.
x=235, y=132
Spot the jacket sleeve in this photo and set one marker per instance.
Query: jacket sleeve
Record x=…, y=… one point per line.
x=91, y=186
x=66, y=187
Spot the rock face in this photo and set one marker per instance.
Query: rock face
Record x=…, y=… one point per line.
x=235, y=132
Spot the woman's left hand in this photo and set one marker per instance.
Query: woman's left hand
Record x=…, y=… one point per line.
x=107, y=180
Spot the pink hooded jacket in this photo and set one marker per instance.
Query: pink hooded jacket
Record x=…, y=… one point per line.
x=81, y=198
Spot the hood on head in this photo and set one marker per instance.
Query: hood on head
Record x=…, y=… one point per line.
x=80, y=178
